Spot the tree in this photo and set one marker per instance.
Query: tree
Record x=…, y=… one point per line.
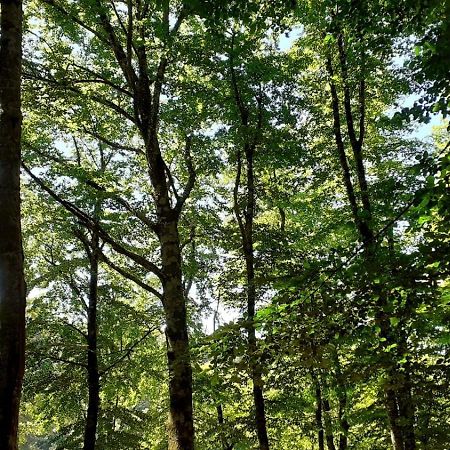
x=12, y=285
x=127, y=52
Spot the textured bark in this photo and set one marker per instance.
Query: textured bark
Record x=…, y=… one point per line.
x=258, y=397
x=181, y=427
x=93, y=376
x=343, y=439
x=329, y=436
x=407, y=410
x=145, y=89
x=393, y=415
x=246, y=228
x=146, y=99
x=247, y=239
x=12, y=284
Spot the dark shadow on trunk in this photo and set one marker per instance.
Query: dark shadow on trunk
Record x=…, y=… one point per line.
x=12, y=284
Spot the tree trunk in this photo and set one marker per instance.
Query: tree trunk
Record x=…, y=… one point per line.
x=343, y=439
x=393, y=415
x=319, y=423
x=181, y=427
x=245, y=221
x=90, y=430
x=363, y=221
x=327, y=420
x=342, y=396
x=12, y=284
x=406, y=409
x=247, y=239
x=221, y=423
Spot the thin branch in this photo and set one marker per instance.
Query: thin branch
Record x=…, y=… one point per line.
x=127, y=352
x=62, y=360
x=103, y=79
x=243, y=110
x=113, y=144
x=139, y=214
x=94, y=97
x=192, y=175
x=74, y=327
x=177, y=25
x=237, y=182
x=171, y=181
x=116, y=47
x=75, y=19
x=89, y=222
x=130, y=276
x=340, y=142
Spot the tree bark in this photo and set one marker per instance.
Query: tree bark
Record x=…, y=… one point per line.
x=258, y=398
x=145, y=90
x=12, y=283
x=181, y=427
x=393, y=416
x=342, y=412
x=319, y=423
x=93, y=376
x=406, y=404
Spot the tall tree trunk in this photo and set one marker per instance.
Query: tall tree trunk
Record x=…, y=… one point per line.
x=245, y=221
x=406, y=405
x=329, y=436
x=342, y=412
x=363, y=222
x=393, y=416
x=258, y=398
x=181, y=427
x=90, y=430
x=12, y=284
x=319, y=423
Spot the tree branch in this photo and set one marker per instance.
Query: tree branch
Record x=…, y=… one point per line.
x=130, y=276
x=128, y=352
x=75, y=19
x=62, y=360
x=89, y=222
x=192, y=175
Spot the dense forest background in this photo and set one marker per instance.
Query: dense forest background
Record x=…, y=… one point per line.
x=235, y=224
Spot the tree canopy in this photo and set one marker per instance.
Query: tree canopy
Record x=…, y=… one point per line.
x=235, y=224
